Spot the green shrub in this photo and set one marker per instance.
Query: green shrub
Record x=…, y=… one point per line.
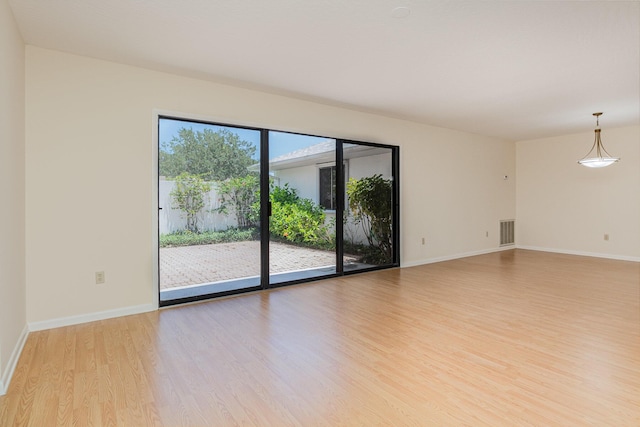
x=188, y=238
x=189, y=195
x=370, y=203
x=297, y=220
x=239, y=194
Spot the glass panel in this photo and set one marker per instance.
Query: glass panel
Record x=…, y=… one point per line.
x=209, y=209
x=328, y=188
x=368, y=217
x=302, y=231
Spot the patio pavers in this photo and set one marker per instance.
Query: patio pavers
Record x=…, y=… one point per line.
x=189, y=265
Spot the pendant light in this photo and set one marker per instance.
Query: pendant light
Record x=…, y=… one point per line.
x=597, y=157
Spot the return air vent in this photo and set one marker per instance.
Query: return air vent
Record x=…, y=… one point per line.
x=507, y=232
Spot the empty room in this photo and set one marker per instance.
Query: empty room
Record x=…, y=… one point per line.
x=353, y=213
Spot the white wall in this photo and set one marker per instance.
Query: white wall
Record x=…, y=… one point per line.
x=171, y=219
x=565, y=207
x=361, y=167
x=90, y=124
x=12, y=188
x=305, y=179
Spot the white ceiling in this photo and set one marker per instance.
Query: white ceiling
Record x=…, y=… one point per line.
x=510, y=69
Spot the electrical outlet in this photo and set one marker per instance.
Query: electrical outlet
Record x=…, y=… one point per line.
x=423, y=240
x=99, y=277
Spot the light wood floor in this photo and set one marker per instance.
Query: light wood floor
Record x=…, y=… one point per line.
x=516, y=338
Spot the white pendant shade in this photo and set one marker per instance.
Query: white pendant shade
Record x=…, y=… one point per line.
x=598, y=157
x=598, y=162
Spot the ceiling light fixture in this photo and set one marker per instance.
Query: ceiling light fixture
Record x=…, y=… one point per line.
x=595, y=157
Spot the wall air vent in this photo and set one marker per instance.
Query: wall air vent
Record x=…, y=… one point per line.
x=507, y=232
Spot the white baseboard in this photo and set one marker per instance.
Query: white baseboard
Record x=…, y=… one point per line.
x=5, y=378
x=456, y=256
x=580, y=253
x=90, y=317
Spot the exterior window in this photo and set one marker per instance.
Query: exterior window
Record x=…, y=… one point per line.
x=328, y=188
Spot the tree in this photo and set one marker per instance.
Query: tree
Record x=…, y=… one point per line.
x=370, y=202
x=189, y=196
x=240, y=194
x=213, y=156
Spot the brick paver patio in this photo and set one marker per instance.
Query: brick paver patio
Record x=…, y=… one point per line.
x=189, y=265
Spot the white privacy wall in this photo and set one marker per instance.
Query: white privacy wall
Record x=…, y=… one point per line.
x=91, y=186
x=564, y=207
x=171, y=219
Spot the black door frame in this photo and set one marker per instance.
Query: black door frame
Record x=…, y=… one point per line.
x=265, y=211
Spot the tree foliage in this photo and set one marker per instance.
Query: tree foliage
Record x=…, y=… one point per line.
x=370, y=203
x=213, y=156
x=239, y=195
x=189, y=196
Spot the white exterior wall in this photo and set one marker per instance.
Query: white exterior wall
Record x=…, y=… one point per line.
x=368, y=166
x=304, y=179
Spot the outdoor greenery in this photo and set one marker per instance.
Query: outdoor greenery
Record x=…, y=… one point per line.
x=239, y=194
x=297, y=220
x=189, y=196
x=213, y=156
x=196, y=158
x=370, y=204
x=199, y=160
x=187, y=238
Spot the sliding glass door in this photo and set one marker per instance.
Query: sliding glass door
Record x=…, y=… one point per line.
x=370, y=214
x=303, y=212
x=245, y=209
x=209, y=212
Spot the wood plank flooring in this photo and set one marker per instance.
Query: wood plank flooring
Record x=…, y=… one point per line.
x=515, y=338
